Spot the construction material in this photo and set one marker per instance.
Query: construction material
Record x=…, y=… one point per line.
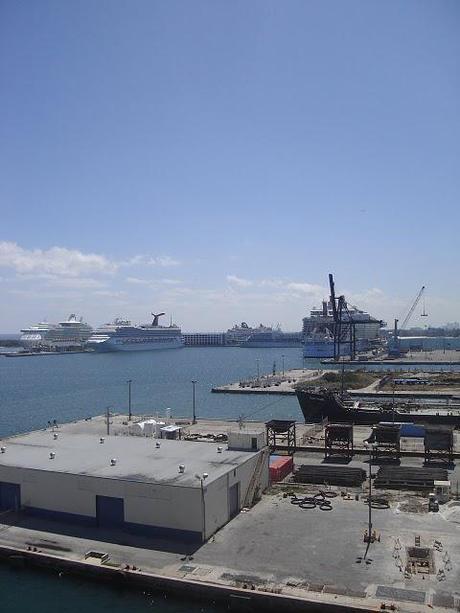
x=332, y=475
x=405, y=477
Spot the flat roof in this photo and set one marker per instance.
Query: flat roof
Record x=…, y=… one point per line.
x=138, y=459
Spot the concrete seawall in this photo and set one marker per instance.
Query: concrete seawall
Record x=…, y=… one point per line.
x=233, y=597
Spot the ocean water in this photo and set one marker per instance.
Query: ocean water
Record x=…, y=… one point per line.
x=34, y=390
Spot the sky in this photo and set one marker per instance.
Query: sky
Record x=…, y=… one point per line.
x=216, y=160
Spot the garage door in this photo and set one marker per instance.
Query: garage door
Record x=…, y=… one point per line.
x=10, y=496
x=110, y=512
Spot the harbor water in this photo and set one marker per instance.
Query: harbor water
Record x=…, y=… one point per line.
x=38, y=389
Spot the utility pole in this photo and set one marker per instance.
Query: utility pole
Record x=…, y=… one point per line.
x=371, y=447
x=129, y=400
x=194, y=402
x=107, y=419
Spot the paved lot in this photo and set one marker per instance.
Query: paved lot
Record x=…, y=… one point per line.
x=278, y=544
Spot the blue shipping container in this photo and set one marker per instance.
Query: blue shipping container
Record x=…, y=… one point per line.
x=412, y=430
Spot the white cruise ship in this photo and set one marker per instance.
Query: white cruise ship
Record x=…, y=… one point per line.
x=318, y=331
x=69, y=334
x=122, y=335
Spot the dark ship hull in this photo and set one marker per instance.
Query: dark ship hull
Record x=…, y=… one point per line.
x=319, y=404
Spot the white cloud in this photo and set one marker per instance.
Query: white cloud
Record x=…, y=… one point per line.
x=238, y=281
x=147, y=260
x=55, y=261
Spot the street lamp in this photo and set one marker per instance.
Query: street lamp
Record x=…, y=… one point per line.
x=202, y=478
x=129, y=381
x=371, y=447
x=194, y=382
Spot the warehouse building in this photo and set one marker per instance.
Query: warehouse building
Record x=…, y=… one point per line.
x=159, y=488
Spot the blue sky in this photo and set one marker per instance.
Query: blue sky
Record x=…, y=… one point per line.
x=217, y=159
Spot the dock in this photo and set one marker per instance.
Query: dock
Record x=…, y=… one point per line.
x=274, y=555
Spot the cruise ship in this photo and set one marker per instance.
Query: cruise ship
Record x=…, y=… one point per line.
x=122, y=335
x=318, y=332
x=273, y=338
x=63, y=336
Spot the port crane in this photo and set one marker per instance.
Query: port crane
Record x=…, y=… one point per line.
x=395, y=349
x=344, y=326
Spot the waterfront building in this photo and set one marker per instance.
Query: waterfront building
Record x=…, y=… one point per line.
x=170, y=489
x=204, y=339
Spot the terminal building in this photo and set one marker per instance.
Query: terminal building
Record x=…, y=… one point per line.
x=204, y=339
x=170, y=489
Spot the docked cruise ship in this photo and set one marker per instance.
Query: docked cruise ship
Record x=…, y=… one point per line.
x=122, y=335
x=318, y=332
x=63, y=336
x=273, y=338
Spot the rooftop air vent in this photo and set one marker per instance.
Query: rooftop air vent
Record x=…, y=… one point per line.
x=219, y=449
x=3, y=449
x=113, y=461
x=182, y=468
x=55, y=435
x=52, y=455
x=158, y=444
x=101, y=440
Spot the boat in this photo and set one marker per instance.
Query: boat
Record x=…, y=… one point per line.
x=273, y=338
x=122, y=335
x=66, y=335
x=318, y=403
x=318, y=331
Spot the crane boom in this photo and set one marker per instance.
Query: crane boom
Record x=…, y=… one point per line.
x=412, y=309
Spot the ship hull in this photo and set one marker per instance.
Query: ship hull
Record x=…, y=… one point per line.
x=111, y=345
x=317, y=405
x=325, y=348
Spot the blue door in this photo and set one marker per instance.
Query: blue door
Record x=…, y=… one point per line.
x=10, y=496
x=110, y=512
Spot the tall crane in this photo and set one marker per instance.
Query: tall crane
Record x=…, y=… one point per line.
x=395, y=349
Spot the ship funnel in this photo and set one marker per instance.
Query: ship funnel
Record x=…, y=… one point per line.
x=156, y=317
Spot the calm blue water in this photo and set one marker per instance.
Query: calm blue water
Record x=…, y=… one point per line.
x=67, y=387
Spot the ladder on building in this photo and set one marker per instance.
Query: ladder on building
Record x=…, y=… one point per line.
x=254, y=483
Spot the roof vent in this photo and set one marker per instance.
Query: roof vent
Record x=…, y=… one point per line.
x=113, y=461
x=55, y=435
x=182, y=468
x=52, y=455
x=101, y=440
x=219, y=449
x=3, y=449
x=158, y=444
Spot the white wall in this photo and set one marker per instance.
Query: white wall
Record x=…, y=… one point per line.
x=166, y=506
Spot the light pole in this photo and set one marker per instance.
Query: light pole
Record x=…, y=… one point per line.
x=202, y=478
x=129, y=381
x=108, y=415
x=194, y=402
x=258, y=369
x=282, y=357
x=371, y=447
